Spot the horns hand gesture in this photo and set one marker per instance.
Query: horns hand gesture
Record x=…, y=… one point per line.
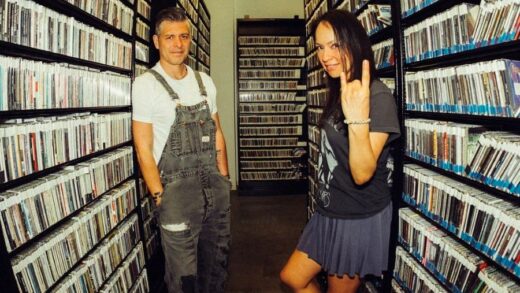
x=355, y=95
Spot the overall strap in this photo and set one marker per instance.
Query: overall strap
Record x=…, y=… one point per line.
x=165, y=84
x=202, y=88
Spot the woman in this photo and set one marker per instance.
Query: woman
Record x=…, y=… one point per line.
x=349, y=235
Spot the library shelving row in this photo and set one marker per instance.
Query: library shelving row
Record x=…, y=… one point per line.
x=68, y=191
x=200, y=26
x=151, y=239
x=453, y=70
x=316, y=96
x=271, y=106
x=478, y=103
x=376, y=18
x=144, y=48
x=142, y=36
x=198, y=59
x=70, y=197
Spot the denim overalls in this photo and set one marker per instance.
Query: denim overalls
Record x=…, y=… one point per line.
x=195, y=201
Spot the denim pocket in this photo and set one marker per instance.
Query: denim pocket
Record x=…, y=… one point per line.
x=183, y=139
x=207, y=130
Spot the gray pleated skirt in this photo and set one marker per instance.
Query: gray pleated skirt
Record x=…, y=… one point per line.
x=348, y=246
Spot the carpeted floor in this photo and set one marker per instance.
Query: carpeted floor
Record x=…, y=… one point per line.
x=265, y=230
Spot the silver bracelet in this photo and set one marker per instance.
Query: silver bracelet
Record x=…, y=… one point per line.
x=348, y=122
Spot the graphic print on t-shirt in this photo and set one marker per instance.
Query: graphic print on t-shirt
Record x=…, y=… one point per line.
x=327, y=162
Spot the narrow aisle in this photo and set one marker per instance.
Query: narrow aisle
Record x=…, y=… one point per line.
x=264, y=232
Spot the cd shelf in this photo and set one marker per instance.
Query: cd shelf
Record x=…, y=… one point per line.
x=502, y=50
x=67, y=8
x=143, y=19
x=15, y=50
x=415, y=67
x=130, y=217
x=424, y=11
x=55, y=108
x=271, y=80
x=496, y=116
x=198, y=59
x=316, y=95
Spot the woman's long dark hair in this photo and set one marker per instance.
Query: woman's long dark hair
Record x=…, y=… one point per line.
x=353, y=42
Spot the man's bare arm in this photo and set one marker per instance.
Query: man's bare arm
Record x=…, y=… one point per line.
x=220, y=144
x=143, y=141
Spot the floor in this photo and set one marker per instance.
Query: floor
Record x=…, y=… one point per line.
x=265, y=230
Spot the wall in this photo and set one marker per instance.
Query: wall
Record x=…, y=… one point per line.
x=222, y=68
x=268, y=8
x=223, y=61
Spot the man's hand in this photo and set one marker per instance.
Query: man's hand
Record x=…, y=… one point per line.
x=157, y=200
x=157, y=197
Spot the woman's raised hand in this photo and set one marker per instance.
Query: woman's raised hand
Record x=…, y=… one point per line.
x=355, y=95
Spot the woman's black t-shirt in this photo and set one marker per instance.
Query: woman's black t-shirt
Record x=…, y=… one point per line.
x=338, y=196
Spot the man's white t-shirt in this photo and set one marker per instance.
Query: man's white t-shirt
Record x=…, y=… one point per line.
x=152, y=104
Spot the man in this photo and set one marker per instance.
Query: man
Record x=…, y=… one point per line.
x=182, y=156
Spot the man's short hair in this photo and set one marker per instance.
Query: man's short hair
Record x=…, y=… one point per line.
x=169, y=14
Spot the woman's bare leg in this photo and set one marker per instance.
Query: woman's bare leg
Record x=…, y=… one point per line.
x=343, y=284
x=299, y=273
